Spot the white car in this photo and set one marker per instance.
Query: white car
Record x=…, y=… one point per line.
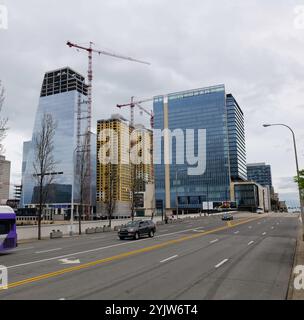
x=260, y=211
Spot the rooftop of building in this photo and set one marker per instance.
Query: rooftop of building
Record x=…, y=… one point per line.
x=191, y=93
x=63, y=80
x=260, y=164
x=114, y=117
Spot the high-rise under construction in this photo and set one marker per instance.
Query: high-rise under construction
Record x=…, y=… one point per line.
x=124, y=165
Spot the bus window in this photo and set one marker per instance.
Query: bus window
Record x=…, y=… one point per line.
x=6, y=226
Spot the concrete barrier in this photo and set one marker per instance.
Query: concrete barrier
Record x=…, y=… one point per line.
x=107, y=229
x=98, y=230
x=90, y=231
x=30, y=232
x=56, y=234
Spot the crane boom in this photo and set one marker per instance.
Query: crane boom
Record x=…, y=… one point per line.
x=138, y=104
x=90, y=52
x=102, y=52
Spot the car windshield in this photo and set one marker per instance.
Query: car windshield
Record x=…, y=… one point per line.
x=132, y=224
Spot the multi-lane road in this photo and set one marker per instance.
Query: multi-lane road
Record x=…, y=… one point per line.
x=206, y=258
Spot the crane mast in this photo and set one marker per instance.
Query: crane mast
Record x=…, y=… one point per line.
x=90, y=52
x=137, y=104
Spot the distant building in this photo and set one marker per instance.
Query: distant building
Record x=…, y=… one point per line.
x=220, y=115
x=236, y=136
x=283, y=206
x=116, y=176
x=5, y=173
x=260, y=173
x=61, y=94
x=249, y=196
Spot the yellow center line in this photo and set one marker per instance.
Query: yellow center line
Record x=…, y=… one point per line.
x=124, y=255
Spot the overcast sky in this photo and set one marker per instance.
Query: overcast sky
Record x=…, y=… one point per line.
x=251, y=46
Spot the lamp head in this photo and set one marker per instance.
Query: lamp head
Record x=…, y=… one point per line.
x=266, y=125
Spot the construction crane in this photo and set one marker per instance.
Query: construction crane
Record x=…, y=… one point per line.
x=90, y=52
x=137, y=104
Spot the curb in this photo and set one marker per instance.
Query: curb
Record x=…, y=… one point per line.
x=292, y=293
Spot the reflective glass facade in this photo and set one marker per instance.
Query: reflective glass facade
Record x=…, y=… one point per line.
x=236, y=136
x=260, y=173
x=59, y=97
x=196, y=109
x=247, y=195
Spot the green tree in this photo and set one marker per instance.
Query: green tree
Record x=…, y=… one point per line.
x=301, y=182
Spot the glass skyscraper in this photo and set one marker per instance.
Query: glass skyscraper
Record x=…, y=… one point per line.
x=260, y=173
x=219, y=114
x=60, y=95
x=236, y=136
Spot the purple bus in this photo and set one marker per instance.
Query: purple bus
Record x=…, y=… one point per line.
x=8, y=233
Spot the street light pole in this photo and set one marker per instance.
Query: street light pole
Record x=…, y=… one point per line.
x=297, y=165
x=72, y=196
x=176, y=191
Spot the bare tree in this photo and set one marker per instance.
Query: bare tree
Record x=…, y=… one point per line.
x=44, y=163
x=83, y=172
x=133, y=190
x=137, y=186
x=110, y=197
x=3, y=121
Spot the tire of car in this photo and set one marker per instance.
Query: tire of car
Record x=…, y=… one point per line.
x=136, y=237
x=122, y=238
x=151, y=234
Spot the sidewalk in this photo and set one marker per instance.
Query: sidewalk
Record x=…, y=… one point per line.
x=294, y=294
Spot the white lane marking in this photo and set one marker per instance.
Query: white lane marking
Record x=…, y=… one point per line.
x=250, y=227
x=264, y=234
x=98, y=249
x=250, y=243
x=62, y=299
x=259, y=222
x=214, y=241
x=272, y=228
x=168, y=259
x=200, y=231
x=221, y=263
x=67, y=261
x=46, y=251
x=94, y=250
x=21, y=249
x=237, y=232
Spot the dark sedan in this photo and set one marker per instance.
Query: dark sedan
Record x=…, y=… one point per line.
x=137, y=229
x=227, y=217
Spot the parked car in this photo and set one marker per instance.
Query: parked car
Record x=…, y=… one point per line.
x=227, y=217
x=137, y=229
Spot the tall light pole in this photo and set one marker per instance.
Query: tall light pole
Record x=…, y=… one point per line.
x=176, y=193
x=297, y=165
x=72, y=195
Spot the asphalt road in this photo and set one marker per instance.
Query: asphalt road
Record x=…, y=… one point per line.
x=250, y=258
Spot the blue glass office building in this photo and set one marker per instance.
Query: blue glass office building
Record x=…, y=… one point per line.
x=211, y=109
x=236, y=137
x=260, y=173
x=59, y=97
